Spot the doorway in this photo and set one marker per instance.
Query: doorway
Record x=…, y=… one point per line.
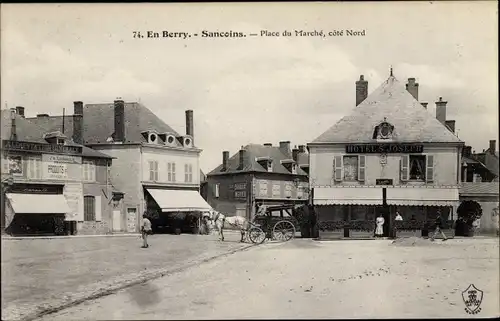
x=117, y=220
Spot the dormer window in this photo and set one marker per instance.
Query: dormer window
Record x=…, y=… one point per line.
x=265, y=162
x=151, y=136
x=186, y=141
x=56, y=138
x=167, y=138
x=290, y=165
x=305, y=168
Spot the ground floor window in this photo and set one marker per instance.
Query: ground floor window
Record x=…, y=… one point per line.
x=89, y=208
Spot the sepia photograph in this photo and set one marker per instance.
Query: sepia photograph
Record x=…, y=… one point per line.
x=249, y=160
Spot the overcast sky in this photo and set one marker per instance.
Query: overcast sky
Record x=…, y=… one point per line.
x=254, y=89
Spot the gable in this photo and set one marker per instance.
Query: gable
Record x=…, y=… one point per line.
x=392, y=102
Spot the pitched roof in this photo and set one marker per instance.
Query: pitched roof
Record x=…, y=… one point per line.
x=412, y=122
x=479, y=188
x=98, y=123
x=253, y=151
x=29, y=132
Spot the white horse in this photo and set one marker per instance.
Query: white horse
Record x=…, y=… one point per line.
x=220, y=221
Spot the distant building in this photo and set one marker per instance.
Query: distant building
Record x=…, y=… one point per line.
x=486, y=195
x=480, y=167
x=388, y=154
x=258, y=174
x=51, y=184
x=156, y=168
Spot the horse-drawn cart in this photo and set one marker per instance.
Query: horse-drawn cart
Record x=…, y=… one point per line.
x=274, y=222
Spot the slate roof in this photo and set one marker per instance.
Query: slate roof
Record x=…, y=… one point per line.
x=27, y=131
x=479, y=188
x=251, y=165
x=412, y=122
x=98, y=123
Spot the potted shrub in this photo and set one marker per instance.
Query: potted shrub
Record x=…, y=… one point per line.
x=468, y=212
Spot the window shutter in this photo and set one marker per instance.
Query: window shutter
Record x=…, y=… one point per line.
x=405, y=167
x=361, y=168
x=429, y=175
x=98, y=213
x=337, y=164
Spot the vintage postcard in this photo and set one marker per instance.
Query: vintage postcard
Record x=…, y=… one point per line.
x=272, y=160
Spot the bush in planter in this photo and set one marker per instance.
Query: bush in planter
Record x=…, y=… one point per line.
x=468, y=212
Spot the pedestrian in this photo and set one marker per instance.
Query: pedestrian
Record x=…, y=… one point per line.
x=379, y=230
x=398, y=222
x=439, y=227
x=413, y=224
x=477, y=226
x=145, y=230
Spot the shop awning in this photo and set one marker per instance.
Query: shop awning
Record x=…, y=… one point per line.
x=422, y=196
x=38, y=203
x=179, y=200
x=347, y=196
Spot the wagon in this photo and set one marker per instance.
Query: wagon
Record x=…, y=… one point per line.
x=274, y=222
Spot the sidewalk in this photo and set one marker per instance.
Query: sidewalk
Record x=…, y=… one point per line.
x=6, y=237
x=43, y=275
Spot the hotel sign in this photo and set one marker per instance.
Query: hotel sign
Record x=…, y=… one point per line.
x=383, y=148
x=40, y=147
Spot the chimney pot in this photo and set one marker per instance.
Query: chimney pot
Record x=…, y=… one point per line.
x=20, y=111
x=189, y=123
x=119, y=135
x=295, y=154
x=78, y=108
x=242, y=155
x=78, y=122
x=493, y=146
x=225, y=160
x=361, y=90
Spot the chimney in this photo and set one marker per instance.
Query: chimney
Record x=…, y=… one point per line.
x=451, y=125
x=295, y=154
x=361, y=90
x=189, y=123
x=493, y=146
x=78, y=122
x=285, y=148
x=242, y=158
x=302, y=149
x=424, y=105
x=119, y=120
x=268, y=144
x=412, y=87
x=225, y=160
x=20, y=111
x=13, y=127
x=441, y=110
x=467, y=151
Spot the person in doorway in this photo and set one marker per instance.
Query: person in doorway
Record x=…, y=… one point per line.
x=145, y=230
x=413, y=224
x=398, y=220
x=439, y=227
x=398, y=217
x=477, y=226
x=379, y=230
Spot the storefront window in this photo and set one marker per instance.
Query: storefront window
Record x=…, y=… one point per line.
x=351, y=168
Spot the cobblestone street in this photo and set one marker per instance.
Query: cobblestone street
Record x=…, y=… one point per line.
x=39, y=273
x=309, y=279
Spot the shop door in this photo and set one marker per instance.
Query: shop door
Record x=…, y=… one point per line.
x=131, y=220
x=117, y=220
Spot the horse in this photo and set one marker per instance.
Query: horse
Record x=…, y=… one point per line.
x=220, y=221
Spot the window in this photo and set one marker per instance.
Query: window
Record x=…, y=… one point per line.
x=171, y=172
x=89, y=208
x=88, y=170
x=34, y=167
x=188, y=173
x=417, y=168
x=217, y=186
x=350, y=168
x=288, y=190
x=153, y=171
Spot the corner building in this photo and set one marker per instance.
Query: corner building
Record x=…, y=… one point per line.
x=389, y=154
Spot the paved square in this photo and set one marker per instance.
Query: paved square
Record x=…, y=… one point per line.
x=309, y=279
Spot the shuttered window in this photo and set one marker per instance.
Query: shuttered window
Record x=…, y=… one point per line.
x=405, y=160
x=337, y=168
x=34, y=167
x=89, y=208
x=89, y=171
x=361, y=168
x=153, y=171
x=430, y=168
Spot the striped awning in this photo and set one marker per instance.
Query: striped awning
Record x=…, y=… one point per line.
x=422, y=196
x=38, y=203
x=179, y=200
x=348, y=196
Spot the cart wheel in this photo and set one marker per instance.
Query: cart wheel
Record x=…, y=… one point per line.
x=256, y=235
x=283, y=231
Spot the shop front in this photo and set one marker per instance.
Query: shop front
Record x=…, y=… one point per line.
x=36, y=210
x=175, y=210
x=351, y=212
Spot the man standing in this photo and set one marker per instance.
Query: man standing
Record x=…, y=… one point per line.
x=145, y=230
x=439, y=227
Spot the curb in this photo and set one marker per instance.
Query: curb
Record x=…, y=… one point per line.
x=43, y=309
x=19, y=238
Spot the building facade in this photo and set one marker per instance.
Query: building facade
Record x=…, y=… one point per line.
x=258, y=174
x=388, y=155
x=155, y=169
x=51, y=185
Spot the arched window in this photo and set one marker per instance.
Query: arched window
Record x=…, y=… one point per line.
x=89, y=208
